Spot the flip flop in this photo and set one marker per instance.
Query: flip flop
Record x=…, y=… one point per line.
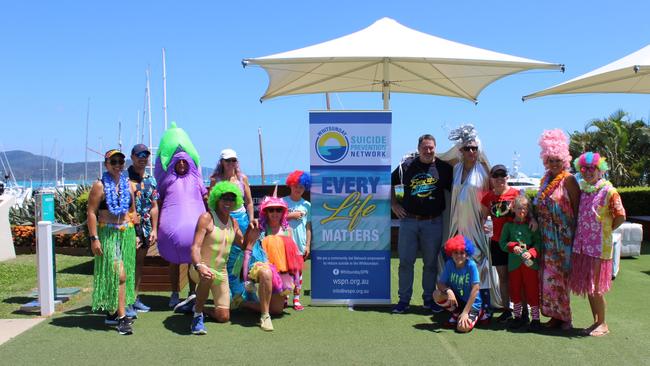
x=587, y=331
x=599, y=333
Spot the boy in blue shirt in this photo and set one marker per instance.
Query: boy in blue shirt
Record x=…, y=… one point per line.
x=299, y=218
x=458, y=287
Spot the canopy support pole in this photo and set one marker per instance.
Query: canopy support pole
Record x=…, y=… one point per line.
x=385, y=86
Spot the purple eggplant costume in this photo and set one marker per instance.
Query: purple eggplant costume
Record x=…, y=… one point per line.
x=181, y=197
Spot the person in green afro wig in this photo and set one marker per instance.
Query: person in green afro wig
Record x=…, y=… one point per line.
x=215, y=234
x=222, y=188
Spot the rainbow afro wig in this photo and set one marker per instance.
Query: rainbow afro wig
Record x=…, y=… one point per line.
x=591, y=159
x=273, y=201
x=459, y=243
x=554, y=144
x=222, y=188
x=299, y=177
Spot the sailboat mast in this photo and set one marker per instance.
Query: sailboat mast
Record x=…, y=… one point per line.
x=149, y=116
x=101, y=164
x=164, y=88
x=86, y=154
x=137, y=127
x=259, y=135
x=119, y=134
x=56, y=166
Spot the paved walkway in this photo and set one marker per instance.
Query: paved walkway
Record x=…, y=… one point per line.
x=10, y=328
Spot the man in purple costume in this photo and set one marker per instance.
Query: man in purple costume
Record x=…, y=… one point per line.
x=181, y=190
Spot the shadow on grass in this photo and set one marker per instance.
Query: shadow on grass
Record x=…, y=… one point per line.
x=249, y=318
x=646, y=272
x=82, y=318
x=156, y=302
x=85, y=268
x=18, y=300
x=386, y=309
x=178, y=323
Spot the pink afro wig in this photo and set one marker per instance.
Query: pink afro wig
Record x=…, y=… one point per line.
x=269, y=201
x=554, y=144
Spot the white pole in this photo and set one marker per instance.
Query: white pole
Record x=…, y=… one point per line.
x=149, y=116
x=119, y=134
x=86, y=161
x=45, y=277
x=101, y=163
x=164, y=87
x=385, y=86
x=137, y=128
x=56, y=166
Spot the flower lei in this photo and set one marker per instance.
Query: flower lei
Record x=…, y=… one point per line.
x=591, y=188
x=549, y=187
x=117, y=202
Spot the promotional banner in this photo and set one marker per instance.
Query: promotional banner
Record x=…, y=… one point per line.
x=350, y=197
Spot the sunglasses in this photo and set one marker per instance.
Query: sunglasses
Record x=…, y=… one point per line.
x=114, y=162
x=499, y=175
x=585, y=169
x=231, y=160
x=143, y=154
x=554, y=161
x=470, y=148
x=228, y=198
x=274, y=209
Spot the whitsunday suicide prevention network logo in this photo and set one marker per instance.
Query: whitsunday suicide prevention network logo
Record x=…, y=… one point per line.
x=332, y=144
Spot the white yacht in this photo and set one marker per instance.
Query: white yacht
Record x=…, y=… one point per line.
x=519, y=180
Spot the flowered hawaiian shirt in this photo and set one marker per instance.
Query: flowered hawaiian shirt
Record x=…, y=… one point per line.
x=145, y=193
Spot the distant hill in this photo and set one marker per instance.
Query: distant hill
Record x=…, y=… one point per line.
x=27, y=166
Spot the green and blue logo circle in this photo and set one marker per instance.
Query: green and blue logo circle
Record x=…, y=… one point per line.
x=332, y=146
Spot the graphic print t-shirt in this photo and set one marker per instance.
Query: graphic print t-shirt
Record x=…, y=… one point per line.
x=424, y=186
x=460, y=280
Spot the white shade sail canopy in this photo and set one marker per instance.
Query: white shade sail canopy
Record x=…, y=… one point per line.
x=630, y=74
x=388, y=56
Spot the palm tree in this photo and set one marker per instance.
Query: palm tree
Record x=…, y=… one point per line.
x=625, y=144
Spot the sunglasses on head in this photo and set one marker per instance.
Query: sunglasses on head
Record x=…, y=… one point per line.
x=274, y=209
x=499, y=175
x=470, y=148
x=231, y=160
x=228, y=198
x=584, y=169
x=116, y=162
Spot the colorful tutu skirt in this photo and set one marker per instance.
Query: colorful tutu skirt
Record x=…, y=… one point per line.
x=118, y=247
x=590, y=275
x=283, y=252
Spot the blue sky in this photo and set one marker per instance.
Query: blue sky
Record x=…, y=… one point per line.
x=56, y=55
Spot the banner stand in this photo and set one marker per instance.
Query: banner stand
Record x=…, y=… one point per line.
x=350, y=197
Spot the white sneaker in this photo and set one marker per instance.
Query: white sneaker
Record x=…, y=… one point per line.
x=265, y=323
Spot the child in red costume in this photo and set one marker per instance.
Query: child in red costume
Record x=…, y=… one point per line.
x=523, y=247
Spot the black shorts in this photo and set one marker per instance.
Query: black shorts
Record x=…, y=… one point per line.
x=141, y=240
x=499, y=257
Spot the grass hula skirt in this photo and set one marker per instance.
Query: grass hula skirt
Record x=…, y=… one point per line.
x=590, y=275
x=118, y=246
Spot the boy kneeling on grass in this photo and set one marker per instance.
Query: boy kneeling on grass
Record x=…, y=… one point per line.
x=458, y=287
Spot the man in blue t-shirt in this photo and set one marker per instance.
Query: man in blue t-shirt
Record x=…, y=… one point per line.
x=423, y=180
x=459, y=285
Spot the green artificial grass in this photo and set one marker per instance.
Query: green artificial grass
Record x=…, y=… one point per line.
x=336, y=335
x=18, y=279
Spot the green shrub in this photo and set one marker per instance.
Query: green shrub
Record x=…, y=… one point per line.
x=636, y=200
